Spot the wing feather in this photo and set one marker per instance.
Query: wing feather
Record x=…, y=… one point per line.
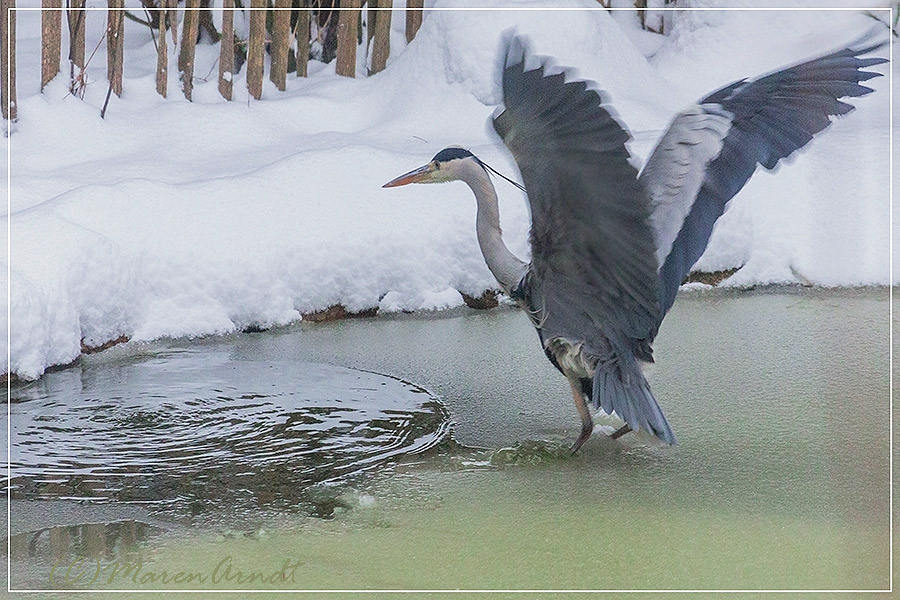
x=692, y=174
x=592, y=245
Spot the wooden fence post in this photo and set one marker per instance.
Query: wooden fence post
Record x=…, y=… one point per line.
x=413, y=18
x=114, y=44
x=8, y=60
x=302, y=41
x=348, y=23
x=189, y=30
x=162, y=55
x=76, y=19
x=172, y=11
x=281, y=41
x=226, y=50
x=51, y=39
x=382, y=35
x=256, y=49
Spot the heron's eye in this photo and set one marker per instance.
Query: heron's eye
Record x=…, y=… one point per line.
x=437, y=166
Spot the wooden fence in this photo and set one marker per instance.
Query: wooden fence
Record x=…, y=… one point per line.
x=283, y=28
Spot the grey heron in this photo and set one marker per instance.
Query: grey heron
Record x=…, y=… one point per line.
x=610, y=246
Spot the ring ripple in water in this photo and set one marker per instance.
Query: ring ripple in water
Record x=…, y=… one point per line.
x=188, y=429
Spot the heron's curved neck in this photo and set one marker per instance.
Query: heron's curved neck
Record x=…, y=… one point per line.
x=505, y=266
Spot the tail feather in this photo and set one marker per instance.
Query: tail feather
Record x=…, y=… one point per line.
x=632, y=401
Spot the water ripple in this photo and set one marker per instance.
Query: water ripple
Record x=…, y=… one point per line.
x=203, y=428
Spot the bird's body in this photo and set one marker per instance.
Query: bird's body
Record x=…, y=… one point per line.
x=610, y=246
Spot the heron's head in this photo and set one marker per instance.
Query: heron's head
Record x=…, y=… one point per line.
x=450, y=164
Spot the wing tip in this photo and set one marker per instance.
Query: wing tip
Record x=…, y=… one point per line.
x=517, y=49
x=516, y=46
x=866, y=43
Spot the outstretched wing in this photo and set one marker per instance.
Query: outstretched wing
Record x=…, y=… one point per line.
x=592, y=248
x=711, y=150
x=593, y=281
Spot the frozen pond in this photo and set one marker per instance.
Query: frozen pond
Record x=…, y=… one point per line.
x=307, y=444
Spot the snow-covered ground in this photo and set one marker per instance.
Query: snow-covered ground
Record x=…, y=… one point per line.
x=172, y=218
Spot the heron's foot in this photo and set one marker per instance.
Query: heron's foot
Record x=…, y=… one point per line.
x=619, y=432
x=586, y=431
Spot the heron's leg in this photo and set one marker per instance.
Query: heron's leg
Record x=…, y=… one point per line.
x=620, y=432
x=587, y=424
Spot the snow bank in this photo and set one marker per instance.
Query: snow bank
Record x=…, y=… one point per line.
x=171, y=218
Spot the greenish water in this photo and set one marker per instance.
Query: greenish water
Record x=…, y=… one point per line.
x=780, y=400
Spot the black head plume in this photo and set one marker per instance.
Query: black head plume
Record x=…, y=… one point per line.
x=454, y=152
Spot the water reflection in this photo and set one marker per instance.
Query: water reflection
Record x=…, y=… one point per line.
x=107, y=541
x=186, y=430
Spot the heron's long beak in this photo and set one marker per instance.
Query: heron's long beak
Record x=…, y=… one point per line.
x=420, y=175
